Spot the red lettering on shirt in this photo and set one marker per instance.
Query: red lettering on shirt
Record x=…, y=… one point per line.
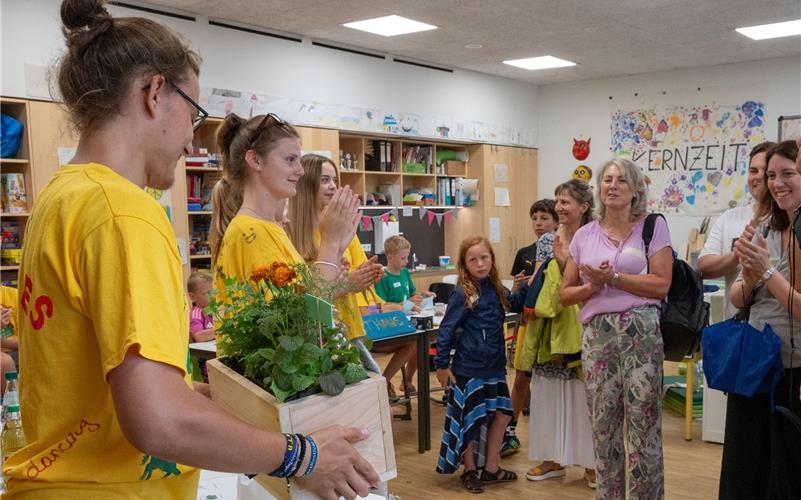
x=26, y=293
x=44, y=307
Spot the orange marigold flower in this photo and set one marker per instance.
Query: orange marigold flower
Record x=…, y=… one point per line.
x=281, y=274
x=261, y=273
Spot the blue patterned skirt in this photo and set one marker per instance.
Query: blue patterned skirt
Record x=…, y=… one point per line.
x=472, y=404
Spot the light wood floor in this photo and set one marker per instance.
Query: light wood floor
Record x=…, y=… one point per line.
x=692, y=468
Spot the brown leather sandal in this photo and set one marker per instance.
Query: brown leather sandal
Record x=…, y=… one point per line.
x=471, y=482
x=499, y=476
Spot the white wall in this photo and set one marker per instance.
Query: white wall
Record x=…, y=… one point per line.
x=242, y=61
x=583, y=109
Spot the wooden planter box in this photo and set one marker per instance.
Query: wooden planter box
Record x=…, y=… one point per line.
x=363, y=405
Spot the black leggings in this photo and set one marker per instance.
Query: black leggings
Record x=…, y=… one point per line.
x=761, y=452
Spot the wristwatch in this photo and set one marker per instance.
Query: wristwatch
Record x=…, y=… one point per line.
x=615, y=279
x=767, y=274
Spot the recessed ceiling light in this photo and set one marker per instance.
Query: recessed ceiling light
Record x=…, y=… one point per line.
x=390, y=25
x=473, y=46
x=775, y=30
x=543, y=62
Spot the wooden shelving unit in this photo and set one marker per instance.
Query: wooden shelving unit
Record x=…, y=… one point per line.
x=20, y=164
x=407, y=165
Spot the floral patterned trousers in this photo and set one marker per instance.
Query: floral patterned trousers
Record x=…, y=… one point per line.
x=622, y=355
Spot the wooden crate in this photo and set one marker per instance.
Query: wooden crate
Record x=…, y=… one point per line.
x=362, y=405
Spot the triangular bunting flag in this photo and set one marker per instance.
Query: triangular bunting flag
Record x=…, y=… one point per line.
x=439, y=219
x=430, y=217
x=448, y=215
x=385, y=217
x=422, y=212
x=455, y=213
x=367, y=223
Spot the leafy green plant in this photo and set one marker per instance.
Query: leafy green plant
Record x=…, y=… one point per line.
x=266, y=332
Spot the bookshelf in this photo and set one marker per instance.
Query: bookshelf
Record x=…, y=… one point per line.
x=16, y=174
x=202, y=169
x=396, y=172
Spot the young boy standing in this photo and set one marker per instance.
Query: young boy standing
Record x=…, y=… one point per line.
x=528, y=259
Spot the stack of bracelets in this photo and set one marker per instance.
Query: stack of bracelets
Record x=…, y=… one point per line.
x=296, y=446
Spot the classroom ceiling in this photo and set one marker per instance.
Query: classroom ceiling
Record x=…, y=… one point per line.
x=605, y=38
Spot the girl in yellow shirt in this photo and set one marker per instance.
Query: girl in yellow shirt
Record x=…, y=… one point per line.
x=261, y=168
x=315, y=191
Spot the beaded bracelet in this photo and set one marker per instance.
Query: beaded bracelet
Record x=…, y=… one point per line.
x=313, y=459
x=301, y=456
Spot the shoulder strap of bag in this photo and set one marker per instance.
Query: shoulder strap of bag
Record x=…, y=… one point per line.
x=648, y=234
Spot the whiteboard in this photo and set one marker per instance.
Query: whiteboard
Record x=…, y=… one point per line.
x=789, y=127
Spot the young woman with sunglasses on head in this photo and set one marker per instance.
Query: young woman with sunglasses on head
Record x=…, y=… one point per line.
x=261, y=168
x=103, y=298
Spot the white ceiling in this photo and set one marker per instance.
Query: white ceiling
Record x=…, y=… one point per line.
x=606, y=38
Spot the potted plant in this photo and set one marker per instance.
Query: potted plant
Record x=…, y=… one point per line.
x=283, y=358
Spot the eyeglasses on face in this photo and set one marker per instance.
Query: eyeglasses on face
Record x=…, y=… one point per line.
x=200, y=113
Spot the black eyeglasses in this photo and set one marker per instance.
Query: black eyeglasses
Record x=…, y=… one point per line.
x=201, y=115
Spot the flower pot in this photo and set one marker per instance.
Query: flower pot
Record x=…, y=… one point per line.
x=364, y=405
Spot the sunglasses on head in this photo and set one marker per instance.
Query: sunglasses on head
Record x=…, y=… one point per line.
x=265, y=121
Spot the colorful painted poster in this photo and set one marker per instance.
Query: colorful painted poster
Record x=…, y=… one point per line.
x=695, y=158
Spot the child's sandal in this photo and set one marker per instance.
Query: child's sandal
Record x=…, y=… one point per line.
x=499, y=476
x=471, y=482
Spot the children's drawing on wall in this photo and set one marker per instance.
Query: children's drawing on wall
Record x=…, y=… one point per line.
x=220, y=102
x=695, y=158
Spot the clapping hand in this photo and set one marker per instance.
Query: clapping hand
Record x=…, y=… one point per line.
x=598, y=276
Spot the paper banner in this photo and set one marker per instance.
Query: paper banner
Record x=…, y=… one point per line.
x=448, y=215
x=385, y=218
x=430, y=217
x=367, y=223
x=422, y=212
x=394, y=213
x=439, y=219
x=455, y=213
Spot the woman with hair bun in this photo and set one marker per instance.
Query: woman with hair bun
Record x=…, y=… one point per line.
x=102, y=297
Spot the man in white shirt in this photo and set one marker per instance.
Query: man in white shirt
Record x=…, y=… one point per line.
x=717, y=258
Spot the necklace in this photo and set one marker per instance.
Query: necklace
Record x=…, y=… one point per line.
x=257, y=214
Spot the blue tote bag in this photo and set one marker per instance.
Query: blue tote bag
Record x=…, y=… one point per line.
x=740, y=359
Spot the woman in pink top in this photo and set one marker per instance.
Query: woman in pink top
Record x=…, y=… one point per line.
x=620, y=289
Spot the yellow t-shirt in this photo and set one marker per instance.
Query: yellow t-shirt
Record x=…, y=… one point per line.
x=348, y=305
x=101, y=273
x=249, y=243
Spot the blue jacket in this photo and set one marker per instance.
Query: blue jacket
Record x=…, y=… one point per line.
x=478, y=335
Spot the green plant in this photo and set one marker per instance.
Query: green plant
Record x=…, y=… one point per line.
x=267, y=331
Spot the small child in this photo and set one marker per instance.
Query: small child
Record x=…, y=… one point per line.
x=479, y=406
x=544, y=221
x=396, y=287
x=201, y=325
